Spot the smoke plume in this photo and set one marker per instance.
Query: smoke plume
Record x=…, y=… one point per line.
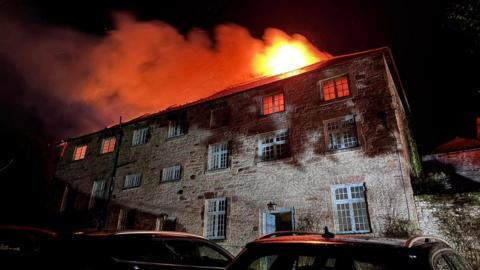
x=79, y=83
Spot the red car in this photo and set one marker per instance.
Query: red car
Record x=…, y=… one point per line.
x=308, y=251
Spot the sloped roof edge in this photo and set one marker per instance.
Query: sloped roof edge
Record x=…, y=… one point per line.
x=251, y=85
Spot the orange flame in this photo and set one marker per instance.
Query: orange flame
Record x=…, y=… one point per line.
x=285, y=53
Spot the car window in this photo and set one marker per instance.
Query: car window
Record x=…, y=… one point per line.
x=211, y=256
x=276, y=257
x=181, y=252
x=155, y=250
x=138, y=249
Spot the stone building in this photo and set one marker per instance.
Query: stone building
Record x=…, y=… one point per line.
x=326, y=145
x=459, y=157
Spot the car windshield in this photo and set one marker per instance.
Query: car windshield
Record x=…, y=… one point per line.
x=293, y=257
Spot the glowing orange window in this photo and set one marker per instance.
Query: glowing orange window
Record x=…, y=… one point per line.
x=79, y=152
x=108, y=145
x=335, y=88
x=273, y=104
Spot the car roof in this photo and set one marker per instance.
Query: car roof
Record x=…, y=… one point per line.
x=139, y=232
x=28, y=229
x=322, y=239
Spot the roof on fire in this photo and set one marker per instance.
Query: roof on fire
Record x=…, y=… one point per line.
x=251, y=85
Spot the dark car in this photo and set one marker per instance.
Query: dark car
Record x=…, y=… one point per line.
x=306, y=251
x=24, y=247
x=143, y=250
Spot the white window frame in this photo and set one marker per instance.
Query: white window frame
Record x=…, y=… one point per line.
x=356, y=217
x=81, y=150
x=215, y=218
x=277, y=141
x=172, y=173
x=132, y=181
x=175, y=128
x=341, y=133
x=139, y=136
x=98, y=192
x=218, y=156
x=108, y=147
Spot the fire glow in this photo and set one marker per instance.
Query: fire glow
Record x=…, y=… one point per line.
x=142, y=67
x=285, y=55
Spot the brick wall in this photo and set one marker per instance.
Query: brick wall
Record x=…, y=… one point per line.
x=465, y=163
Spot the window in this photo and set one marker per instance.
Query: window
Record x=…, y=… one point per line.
x=79, y=152
x=219, y=117
x=350, y=208
x=126, y=219
x=280, y=219
x=108, y=145
x=165, y=223
x=341, y=133
x=98, y=192
x=171, y=173
x=132, y=180
x=273, y=104
x=175, y=128
x=139, y=136
x=215, y=218
x=334, y=88
x=218, y=156
x=274, y=146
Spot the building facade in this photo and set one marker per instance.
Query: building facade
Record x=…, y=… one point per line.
x=327, y=145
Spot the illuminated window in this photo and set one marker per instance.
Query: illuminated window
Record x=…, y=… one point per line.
x=215, y=218
x=171, y=173
x=273, y=104
x=274, y=146
x=341, y=133
x=218, y=156
x=175, y=128
x=108, y=145
x=132, y=180
x=334, y=88
x=350, y=208
x=79, y=152
x=139, y=136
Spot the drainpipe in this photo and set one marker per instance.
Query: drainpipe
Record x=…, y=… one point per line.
x=111, y=184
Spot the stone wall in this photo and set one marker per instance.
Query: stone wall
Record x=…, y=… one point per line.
x=454, y=217
x=302, y=181
x=465, y=163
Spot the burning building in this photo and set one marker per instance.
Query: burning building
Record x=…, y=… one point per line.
x=323, y=145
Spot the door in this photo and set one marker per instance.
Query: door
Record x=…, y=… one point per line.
x=280, y=219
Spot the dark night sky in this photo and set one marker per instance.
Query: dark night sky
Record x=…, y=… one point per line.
x=437, y=56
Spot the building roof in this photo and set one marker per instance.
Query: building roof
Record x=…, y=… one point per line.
x=457, y=144
x=253, y=84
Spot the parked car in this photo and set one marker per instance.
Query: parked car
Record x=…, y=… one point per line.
x=138, y=250
x=307, y=251
x=24, y=247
